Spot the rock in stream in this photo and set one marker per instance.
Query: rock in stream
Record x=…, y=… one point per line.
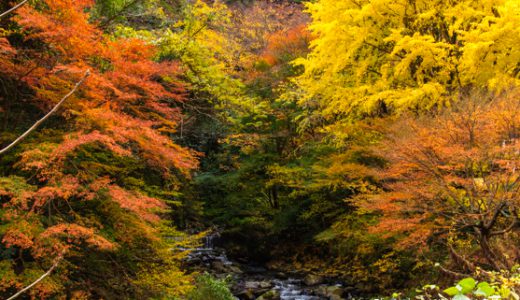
x=254, y=282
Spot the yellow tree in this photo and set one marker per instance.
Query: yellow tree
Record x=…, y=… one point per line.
x=374, y=57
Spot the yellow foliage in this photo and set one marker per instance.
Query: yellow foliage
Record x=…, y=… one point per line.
x=379, y=56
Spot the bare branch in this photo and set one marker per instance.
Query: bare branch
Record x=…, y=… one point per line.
x=17, y=6
x=459, y=258
x=495, y=215
x=108, y=21
x=53, y=110
x=452, y=273
x=507, y=229
x=54, y=265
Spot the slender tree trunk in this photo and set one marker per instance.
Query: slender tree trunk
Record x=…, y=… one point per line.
x=17, y=6
x=495, y=260
x=274, y=196
x=25, y=289
x=52, y=111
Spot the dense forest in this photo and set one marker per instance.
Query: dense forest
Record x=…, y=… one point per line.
x=259, y=149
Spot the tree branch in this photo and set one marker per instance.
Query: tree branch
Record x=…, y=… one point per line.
x=53, y=110
x=460, y=259
x=452, y=273
x=382, y=49
x=494, y=217
x=17, y=6
x=108, y=21
x=506, y=230
x=54, y=265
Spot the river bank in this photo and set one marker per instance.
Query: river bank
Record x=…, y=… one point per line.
x=250, y=281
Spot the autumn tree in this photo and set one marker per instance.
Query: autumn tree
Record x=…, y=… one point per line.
x=453, y=179
x=406, y=55
x=93, y=184
x=412, y=59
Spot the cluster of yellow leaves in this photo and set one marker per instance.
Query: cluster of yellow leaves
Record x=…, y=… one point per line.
x=371, y=57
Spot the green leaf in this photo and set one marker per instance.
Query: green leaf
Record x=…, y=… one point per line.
x=484, y=289
x=452, y=291
x=467, y=284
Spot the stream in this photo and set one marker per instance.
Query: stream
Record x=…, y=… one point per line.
x=251, y=282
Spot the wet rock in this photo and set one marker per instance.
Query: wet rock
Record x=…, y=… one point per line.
x=312, y=279
x=219, y=267
x=194, y=261
x=252, y=289
x=332, y=292
x=271, y=295
x=234, y=269
x=245, y=294
x=256, y=285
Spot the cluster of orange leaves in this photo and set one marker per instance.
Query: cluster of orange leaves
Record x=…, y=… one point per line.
x=291, y=43
x=448, y=171
x=128, y=104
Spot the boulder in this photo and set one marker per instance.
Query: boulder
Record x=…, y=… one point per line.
x=219, y=267
x=253, y=288
x=234, y=269
x=194, y=261
x=245, y=294
x=271, y=295
x=332, y=292
x=254, y=285
x=312, y=279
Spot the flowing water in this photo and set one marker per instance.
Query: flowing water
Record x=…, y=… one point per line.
x=291, y=289
x=214, y=260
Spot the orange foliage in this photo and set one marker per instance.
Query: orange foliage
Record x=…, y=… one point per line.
x=287, y=44
x=453, y=174
x=128, y=105
x=20, y=235
x=62, y=236
x=123, y=91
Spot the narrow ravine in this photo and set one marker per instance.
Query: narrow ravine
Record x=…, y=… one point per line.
x=250, y=281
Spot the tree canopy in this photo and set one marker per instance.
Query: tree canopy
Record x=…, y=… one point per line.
x=368, y=142
x=407, y=55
